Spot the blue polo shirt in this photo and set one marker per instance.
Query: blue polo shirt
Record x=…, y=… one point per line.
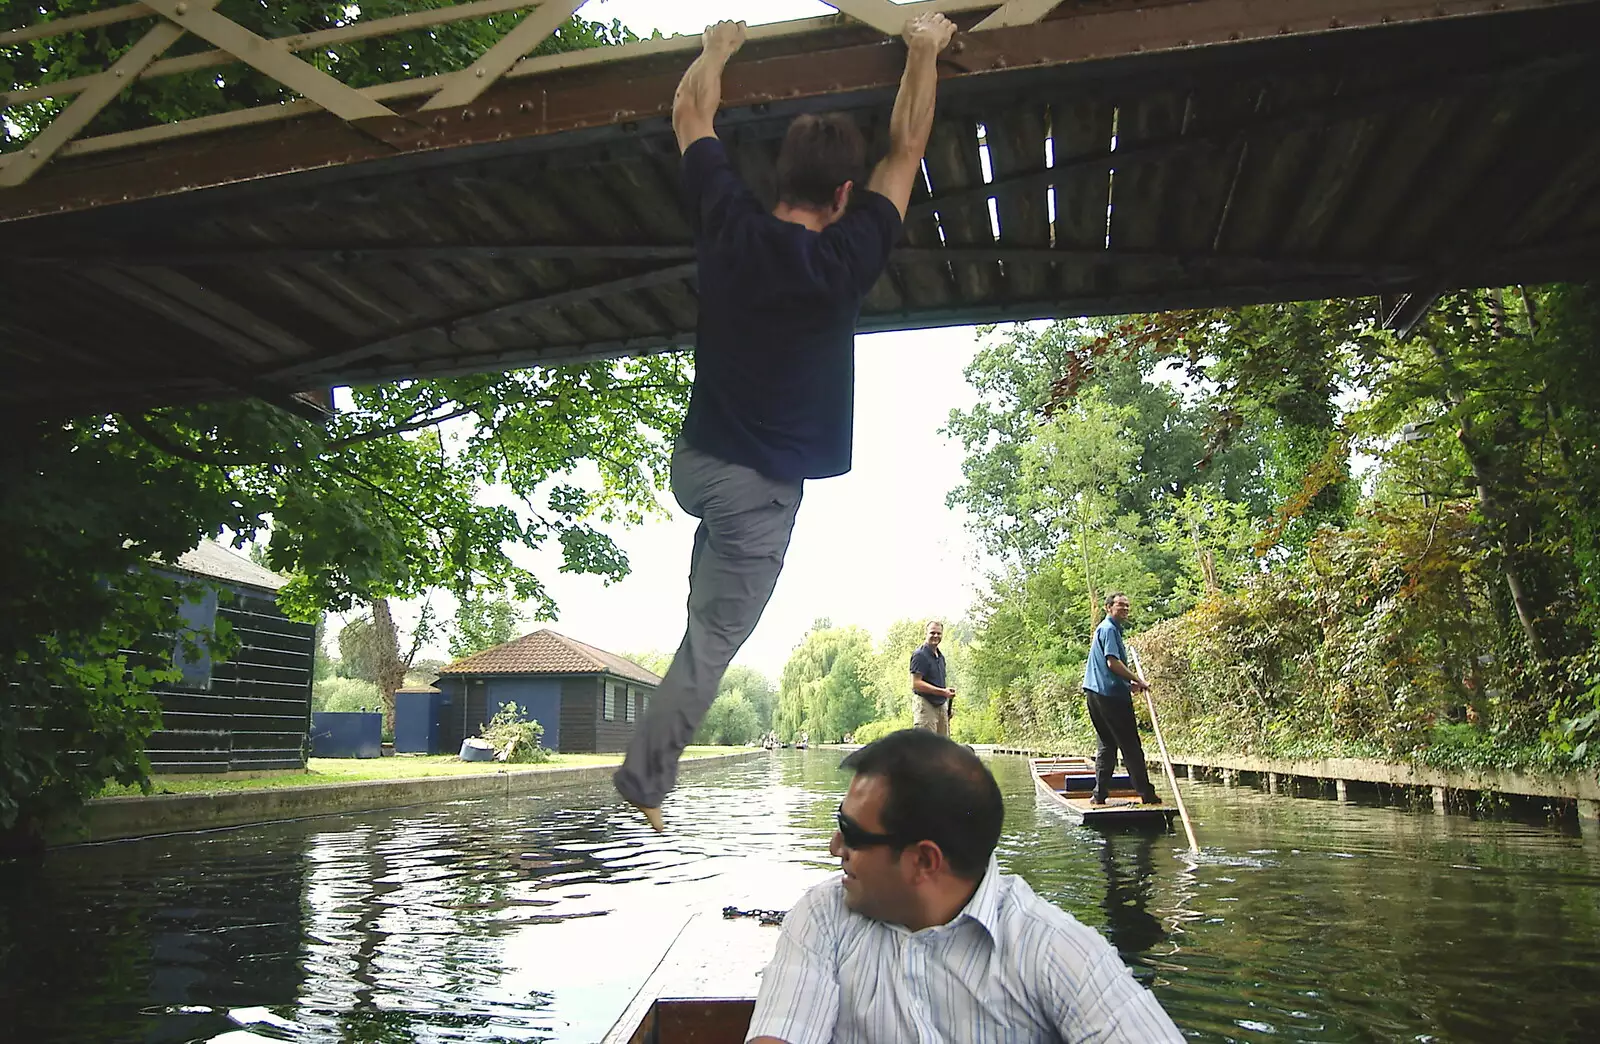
x=1097, y=676
x=774, y=359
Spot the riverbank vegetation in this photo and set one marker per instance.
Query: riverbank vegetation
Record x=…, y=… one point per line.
x=1337, y=542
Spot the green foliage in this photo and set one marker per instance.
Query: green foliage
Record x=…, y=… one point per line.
x=1449, y=616
x=482, y=622
x=731, y=722
x=516, y=739
x=876, y=730
x=359, y=652
x=652, y=660
x=837, y=684
x=825, y=689
x=755, y=689
x=345, y=694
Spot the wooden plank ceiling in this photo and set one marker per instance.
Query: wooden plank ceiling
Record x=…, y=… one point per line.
x=1392, y=159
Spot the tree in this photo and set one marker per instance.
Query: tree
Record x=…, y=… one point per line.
x=370, y=647
x=731, y=721
x=482, y=622
x=1450, y=614
x=380, y=502
x=755, y=688
x=824, y=690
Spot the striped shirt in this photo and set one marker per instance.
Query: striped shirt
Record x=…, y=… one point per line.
x=1009, y=968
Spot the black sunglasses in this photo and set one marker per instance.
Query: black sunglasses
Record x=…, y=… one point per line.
x=858, y=837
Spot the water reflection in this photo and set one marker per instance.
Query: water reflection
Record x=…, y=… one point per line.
x=1129, y=864
x=535, y=919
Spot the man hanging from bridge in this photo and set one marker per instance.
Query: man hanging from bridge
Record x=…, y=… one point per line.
x=774, y=385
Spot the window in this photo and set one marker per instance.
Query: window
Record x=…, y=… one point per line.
x=628, y=707
x=608, y=706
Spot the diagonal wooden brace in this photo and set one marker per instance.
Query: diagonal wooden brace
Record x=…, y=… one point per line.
x=1017, y=12
x=304, y=79
x=88, y=104
x=883, y=16
x=463, y=87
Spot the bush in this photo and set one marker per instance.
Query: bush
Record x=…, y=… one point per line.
x=975, y=724
x=731, y=722
x=876, y=730
x=345, y=694
x=515, y=738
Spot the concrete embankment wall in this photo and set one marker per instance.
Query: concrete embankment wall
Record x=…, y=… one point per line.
x=109, y=819
x=1442, y=786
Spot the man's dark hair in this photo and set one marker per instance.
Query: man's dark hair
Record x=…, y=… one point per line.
x=1113, y=596
x=938, y=791
x=820, y=153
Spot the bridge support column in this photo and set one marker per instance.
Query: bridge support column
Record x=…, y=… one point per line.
x=1440, y=808
x=1272, y=782
x=1230, y=778
x=1341, y=790
x=1589, y=817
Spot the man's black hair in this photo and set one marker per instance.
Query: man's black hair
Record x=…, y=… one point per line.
x=820, y=152
x=1113, y=596
x=938, y=791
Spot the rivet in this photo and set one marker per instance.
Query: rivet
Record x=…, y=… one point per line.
x=121, y=73
x=466, y=114
x=478, y=73
x=33, y=153
x=1334, y=23
x=524, y=107
x=492, y=111
x=182, y=8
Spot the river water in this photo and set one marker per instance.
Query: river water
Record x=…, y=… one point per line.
x=537, y=918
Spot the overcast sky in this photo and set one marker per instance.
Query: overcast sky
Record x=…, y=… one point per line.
x=870, y=547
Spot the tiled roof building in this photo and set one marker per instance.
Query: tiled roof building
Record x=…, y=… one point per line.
x=587, y=699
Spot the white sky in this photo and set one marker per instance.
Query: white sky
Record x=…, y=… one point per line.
x=870, y=547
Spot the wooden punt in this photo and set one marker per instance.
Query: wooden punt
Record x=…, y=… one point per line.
x=703, y=990
x=1067, y=782
x=694, y=1021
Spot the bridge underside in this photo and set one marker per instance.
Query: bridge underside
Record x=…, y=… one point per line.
x=1066, y=176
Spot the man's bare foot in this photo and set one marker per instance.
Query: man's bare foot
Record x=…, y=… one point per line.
x=653, y=817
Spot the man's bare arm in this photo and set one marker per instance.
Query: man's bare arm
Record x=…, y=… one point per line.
x=912, y=120
x=699, y=93
x=1121, y=670
x=923, y=687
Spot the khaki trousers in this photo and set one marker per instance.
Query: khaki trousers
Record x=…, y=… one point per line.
x=925, y=715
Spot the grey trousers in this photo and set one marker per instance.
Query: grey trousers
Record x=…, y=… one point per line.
x=746, y=519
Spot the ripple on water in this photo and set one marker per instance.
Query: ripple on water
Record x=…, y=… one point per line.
x=535, y=919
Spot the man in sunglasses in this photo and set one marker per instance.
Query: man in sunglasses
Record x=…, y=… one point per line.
x=923, y=938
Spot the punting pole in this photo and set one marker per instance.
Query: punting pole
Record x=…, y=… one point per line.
x=1166, y=761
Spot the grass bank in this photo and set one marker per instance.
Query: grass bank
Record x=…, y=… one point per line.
x=335, y=771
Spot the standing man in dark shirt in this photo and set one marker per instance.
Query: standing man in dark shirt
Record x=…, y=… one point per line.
x=774, y=384
x=930, y=700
